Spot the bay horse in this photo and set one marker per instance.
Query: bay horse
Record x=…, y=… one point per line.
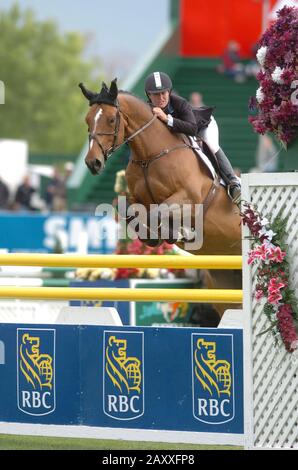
x=162, y=169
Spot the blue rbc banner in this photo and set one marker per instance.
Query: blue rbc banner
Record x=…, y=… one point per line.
x=176, y=379
x=213, y=377
x=123, y=374
x=36, y=371
x=39, y=375
x=123, y=308
x=38, y=232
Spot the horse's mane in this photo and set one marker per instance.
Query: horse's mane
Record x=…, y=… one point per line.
x=125, y=92
x=129, y=93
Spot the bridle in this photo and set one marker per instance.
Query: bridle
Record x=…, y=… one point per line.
x=144, y=164
x=108, y=152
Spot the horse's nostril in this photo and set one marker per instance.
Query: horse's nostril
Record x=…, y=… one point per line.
x=97, y=164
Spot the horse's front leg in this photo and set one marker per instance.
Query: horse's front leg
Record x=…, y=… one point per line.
x=137, y=225
x=179, y=222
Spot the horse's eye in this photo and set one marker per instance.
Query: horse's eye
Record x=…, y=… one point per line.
x=111, y=120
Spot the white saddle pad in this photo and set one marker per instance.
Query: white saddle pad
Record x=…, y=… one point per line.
x=204, y=159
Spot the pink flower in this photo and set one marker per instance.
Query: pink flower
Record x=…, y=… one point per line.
x=259, y=294
x=261, y=251
x=274, y=297
x=276, y=255
x=275, y=285
x=251, y=257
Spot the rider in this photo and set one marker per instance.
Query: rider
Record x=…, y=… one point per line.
x=179, y=116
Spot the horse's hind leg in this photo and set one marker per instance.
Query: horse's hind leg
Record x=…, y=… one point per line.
x=222, y=279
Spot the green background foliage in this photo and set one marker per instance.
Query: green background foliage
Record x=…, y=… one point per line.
x=41, y=68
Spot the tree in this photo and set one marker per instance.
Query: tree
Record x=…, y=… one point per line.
x=41, y=69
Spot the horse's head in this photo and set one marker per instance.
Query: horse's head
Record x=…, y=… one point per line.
x=105, y=125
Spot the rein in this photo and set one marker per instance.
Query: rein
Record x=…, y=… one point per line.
x=144, y=164
x=108, y=152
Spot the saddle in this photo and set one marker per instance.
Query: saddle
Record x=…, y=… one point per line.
x=203, y=152
x=203, y=116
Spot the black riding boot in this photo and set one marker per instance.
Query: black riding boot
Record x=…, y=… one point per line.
x=229, y=177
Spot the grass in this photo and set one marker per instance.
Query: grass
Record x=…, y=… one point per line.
x=14, y=442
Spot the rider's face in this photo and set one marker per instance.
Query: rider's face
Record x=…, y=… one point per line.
x=161, y=99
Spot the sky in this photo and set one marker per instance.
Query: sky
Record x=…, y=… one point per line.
x=119, y=31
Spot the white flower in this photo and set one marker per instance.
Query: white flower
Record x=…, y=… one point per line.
x=267, y=242
x=260, y=95
x=264, y=221
x=268, y=233
x=276, y=75
x=294, y=345
x=120, y=183
x=152, y=273
x=101, y=273
x=261, y=55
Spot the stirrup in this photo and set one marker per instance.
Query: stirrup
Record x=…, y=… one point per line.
x=236, y=199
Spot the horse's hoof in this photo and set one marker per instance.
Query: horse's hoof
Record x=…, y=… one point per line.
x=152, y=243
x=171, y=241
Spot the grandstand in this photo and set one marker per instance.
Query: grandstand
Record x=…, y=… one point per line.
x=191, y=58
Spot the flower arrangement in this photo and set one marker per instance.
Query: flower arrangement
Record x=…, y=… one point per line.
x=136, y=247
x=269, y=252
x=278, y=57
x=133, y=247
x=120, y=186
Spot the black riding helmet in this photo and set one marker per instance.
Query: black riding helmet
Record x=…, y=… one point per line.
x=157, y=82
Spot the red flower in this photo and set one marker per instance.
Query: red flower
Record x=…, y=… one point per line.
x=287, y=328
x=276, y=112
x=126, y=273
x=272, y=276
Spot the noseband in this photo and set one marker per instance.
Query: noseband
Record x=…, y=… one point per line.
x=93, y=136
x=108, y=152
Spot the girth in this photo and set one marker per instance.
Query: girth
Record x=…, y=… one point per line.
x=144, y=164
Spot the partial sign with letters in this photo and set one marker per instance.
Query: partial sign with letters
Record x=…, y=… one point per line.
x=213, y=378
x=123, y=374
x=36, y=371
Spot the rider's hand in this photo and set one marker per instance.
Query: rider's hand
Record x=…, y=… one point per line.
x=160, y=114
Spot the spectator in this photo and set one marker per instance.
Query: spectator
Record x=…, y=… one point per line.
x=253, y=67
x=267, y=154
x=196, y=99
x=56, y=190
x=23, y=196
x=68, y=167
x=231, y=65
x=4, y=195
x=237, y=172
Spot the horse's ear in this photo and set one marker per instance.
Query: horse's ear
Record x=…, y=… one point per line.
x=113, y=92
x=104, y=86
x=87, y=93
